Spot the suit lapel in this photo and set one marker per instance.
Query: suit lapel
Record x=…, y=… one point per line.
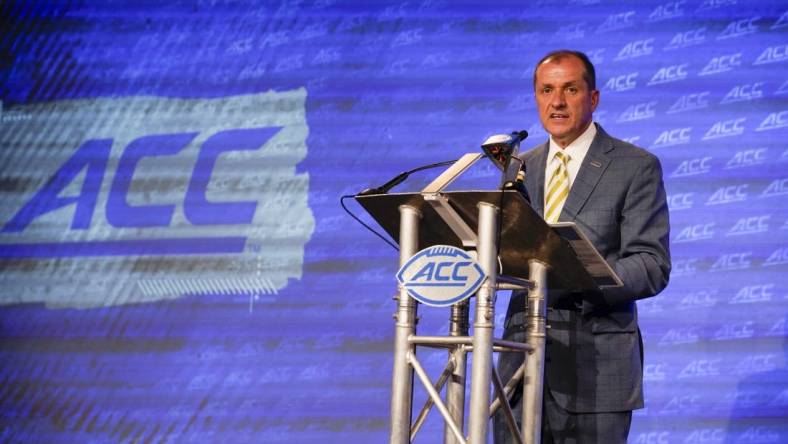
x=591, y=170
x=534, y=177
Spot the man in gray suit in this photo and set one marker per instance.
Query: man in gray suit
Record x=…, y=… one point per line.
x=614, y=192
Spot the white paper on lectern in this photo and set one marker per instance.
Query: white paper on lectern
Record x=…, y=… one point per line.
x=592, y=261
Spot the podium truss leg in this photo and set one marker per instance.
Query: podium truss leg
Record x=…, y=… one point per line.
x=533, y=382
x=481, y=369
x=455, y=388
x=405, y=317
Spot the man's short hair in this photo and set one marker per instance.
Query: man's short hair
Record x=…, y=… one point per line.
x=556, y=56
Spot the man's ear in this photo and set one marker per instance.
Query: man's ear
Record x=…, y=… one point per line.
x=594, y=99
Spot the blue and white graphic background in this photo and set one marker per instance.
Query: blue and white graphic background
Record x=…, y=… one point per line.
x=174, y=263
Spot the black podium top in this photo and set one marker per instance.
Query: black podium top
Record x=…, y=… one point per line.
x=524, y=234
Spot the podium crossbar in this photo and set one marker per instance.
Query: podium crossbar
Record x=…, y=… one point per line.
x=450, y=366
x=507, y=409
x=513, y=381
x=452, y=341
x=436, y=397
x=514, y=283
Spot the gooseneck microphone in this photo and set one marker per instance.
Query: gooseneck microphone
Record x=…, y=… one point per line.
x=501, y=148
x=383, y=189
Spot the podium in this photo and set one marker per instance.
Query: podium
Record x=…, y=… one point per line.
x=516, y=250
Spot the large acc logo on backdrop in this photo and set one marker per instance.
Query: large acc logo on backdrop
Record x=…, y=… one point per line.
x=137, y=182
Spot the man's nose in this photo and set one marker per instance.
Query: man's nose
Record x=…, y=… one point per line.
x=557, y=100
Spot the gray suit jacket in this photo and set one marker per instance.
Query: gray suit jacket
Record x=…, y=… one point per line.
x=594, y=351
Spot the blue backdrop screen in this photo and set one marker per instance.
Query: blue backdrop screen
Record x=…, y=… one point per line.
x=174, y=263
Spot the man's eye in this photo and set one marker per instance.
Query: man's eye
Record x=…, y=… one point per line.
x=572, y=90
x=546, y=90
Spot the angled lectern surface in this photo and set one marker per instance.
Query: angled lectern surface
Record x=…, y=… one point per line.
x=524, y=235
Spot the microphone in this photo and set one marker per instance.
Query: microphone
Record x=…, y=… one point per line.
x=501, y=147
x=383, y=189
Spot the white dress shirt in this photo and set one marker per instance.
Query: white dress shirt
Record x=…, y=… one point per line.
x=576, y=150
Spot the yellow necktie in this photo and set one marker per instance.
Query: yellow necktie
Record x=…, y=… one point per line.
x=557, y=189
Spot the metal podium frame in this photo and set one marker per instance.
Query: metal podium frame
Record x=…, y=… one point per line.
x=530, y=248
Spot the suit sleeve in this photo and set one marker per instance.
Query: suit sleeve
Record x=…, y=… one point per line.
x=644, y=259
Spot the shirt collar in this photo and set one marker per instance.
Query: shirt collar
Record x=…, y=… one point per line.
x=578, y=148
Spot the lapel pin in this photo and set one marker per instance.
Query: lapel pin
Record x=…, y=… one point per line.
x=596, y=163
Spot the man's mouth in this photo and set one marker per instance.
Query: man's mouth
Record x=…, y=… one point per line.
x=559, y=116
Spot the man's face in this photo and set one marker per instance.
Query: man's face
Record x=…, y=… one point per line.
x=564, y=100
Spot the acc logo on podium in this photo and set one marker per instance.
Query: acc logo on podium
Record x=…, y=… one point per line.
x=441, y=275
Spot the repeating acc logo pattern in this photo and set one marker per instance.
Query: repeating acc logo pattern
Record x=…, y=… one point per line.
x=289, y=311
